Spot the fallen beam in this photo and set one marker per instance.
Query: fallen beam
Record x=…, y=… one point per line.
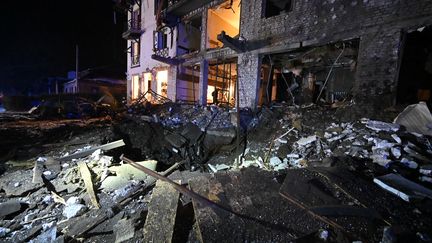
x=167, y=60
x=162, y=211
x=88, y=152
x=86, y=176
x=235, y=44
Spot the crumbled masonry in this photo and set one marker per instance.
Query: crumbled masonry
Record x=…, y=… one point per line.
x=300, y=173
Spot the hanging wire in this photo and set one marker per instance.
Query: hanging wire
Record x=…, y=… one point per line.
x=269, y=78
x=330, y=72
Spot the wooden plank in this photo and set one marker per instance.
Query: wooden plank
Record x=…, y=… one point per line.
x=37, y=173
x=162, y=210
x=88, y=152
x=86, y=176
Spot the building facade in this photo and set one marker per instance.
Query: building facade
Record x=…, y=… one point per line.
x=261, y=51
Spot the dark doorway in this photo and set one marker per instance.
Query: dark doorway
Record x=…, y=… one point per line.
x=415, y=77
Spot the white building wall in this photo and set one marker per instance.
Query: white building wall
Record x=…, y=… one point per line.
x=147, y=64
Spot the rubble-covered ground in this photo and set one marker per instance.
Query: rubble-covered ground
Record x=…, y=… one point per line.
x=281, y=174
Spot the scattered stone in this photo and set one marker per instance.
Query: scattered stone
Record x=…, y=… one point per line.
x=409, y=163
x=403, y=188
x=4, y=231
x=307, y=140
x=73, y=200
x=323, y=235
x=23, y=178
x=275, y=161
x=382, y=126
x=397, y=138
x=124, y=174
x=218, y=167
x=388, y=235
x=9, y=207
x=124, y=230
x=293, y=156
x=396, y=152
x=425, y=179
x=281, y=166
x=30, y=216
x=416, y=118
x=74, y=210
x=49, y=235
x=426, y=170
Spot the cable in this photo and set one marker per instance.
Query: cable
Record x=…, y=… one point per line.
x=329, y=73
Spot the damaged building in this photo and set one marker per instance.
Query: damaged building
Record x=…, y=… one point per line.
x=245, y=121
x=293, y=51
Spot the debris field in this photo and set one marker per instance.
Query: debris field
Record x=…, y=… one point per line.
x=172, y=172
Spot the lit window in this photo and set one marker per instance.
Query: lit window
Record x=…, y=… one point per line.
x=135, y=86
x=162, y=83
x=160, y=40
x=135, y=53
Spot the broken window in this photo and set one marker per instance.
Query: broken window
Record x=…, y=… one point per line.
x=135, y=53
x=276, y=7
x=224, y=17
x=189, y=36
x=187, y=86
x=135, y=22
x=310, y=74
x=222, y=79
x=160, y=40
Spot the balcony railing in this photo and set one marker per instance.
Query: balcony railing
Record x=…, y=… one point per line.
x=132, y=30
x=172, y=2
x=135, y=61
x=182, y=7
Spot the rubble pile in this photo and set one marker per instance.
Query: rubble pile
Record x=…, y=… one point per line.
x=172, y=115
x=292, y=144
x=41, y=203
x=296, y=175
x=191, y=132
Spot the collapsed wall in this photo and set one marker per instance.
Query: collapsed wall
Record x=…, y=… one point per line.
x=380, y=26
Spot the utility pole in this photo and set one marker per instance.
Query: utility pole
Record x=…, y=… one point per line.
x=76, y=68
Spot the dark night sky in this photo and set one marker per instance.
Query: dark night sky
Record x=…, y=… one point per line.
x=38, y=39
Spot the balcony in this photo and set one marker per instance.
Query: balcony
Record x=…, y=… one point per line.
x=133, y=30
x=135, y=61
x=182, y=7
x=125, y=6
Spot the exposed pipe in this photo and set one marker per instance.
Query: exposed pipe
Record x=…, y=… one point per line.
x=268, y=80
x=76, y=68
x=288, y=88
x=329, y=73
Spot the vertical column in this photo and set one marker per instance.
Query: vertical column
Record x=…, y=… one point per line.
x=378, y=65
x=128, y=87
x=203, y=82
x=249, y=66
x=204, y=30
x=172, y=83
